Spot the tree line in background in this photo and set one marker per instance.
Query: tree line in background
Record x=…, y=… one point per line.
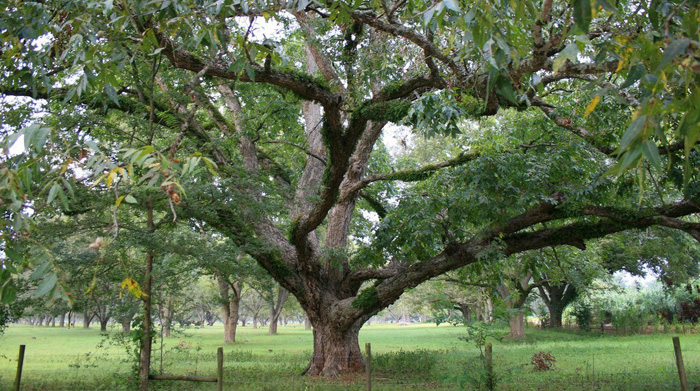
x=155, y=140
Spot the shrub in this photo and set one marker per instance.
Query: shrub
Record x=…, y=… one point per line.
x=583, y=315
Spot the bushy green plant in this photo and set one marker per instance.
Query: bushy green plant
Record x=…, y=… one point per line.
x=583, y=315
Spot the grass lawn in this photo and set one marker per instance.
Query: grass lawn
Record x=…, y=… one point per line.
x=416, y=357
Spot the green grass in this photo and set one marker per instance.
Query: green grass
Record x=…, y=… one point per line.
x=414, y=357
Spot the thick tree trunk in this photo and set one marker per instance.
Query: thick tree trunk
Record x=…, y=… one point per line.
x=231, y=323
x=517, y=325
x=255, y=321
x=557, y=298
x=103, y=323
x=335, y=351
x=62, y=322
x=466, y=312
x=556, y=314
x=307, y=323
x=230, y=306
x=276, y=309
x=272, y=329
x=87, y=319
x=126, y=324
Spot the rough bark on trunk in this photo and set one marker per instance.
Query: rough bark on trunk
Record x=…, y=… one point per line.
x=103, y=323
x=517, y=325
x=126, y=324
x=230, y=306
x=276, y=309
x=87, y=319
x=466, y=312
x=62, y=322
x=335, y=351
x=166, y=316
x=557, y=298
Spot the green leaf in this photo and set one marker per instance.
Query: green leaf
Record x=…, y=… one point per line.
x=629, y=158
x=8, y=294
x=651, y=152
x=130, y=199
x=13, y=254
x=570, y=53
x=112, y=94
x=40, y=271
x=633, y=131
x=608, y=6
x=582, y=14
x=40, y=138
x=676, y=47
x=452, y=5
x=635, y=73
x=46, y=285
x=53, y=192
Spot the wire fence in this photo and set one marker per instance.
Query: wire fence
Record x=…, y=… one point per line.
x=616, y=366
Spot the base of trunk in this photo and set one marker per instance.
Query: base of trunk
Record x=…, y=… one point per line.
x=335, y=352
x=517, y=326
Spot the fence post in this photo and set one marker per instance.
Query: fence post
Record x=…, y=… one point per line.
x=219, y=369
x=20, y=364
x=489, y=366
x=368, y=367
x=679, y=363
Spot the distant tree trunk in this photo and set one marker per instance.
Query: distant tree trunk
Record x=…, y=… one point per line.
x=126, y=323
x=255, y=321
x=466, y=312
x=41, y=321
x=87, y=318
x=243, y=320
x=53, y=321
x=276, y=309
x=517, y=325
x=557, y=298
x=62, y=322
x=230, y=306
x=514, y=294
x=166, y=316
x=103, y=323
x=307, y=323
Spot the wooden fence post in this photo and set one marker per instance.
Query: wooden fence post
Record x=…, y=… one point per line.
x=219, y=369
x=20, y=364
x=489, y=366
x=679, y=363
x=368, y=367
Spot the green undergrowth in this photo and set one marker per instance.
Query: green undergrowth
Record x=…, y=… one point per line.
x=415, y=357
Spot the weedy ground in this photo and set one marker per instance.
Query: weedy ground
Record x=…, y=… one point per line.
x=415, y=357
